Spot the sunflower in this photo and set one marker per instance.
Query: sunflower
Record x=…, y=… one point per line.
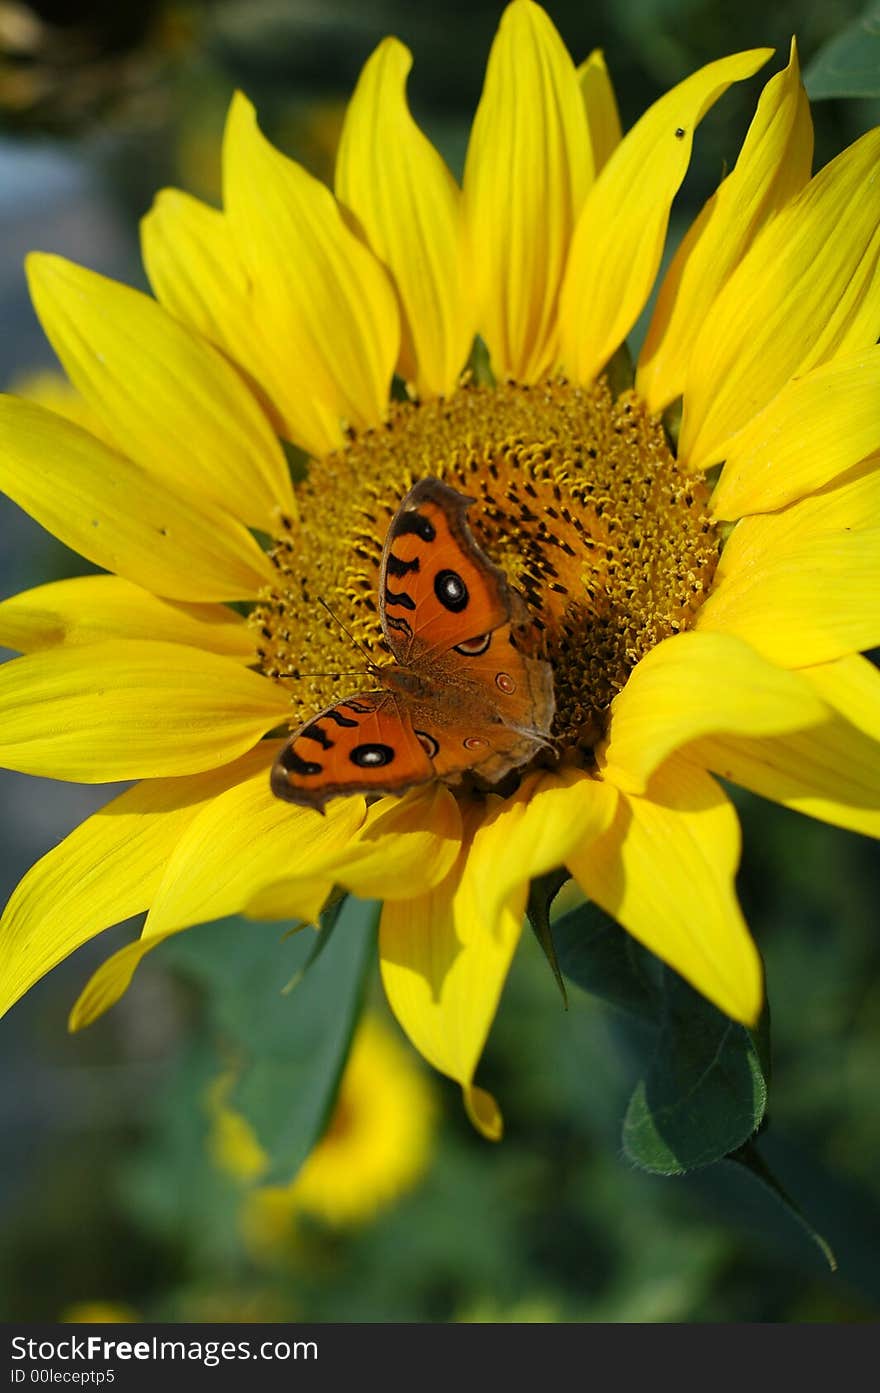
x=376, y=1146
x=697, y=546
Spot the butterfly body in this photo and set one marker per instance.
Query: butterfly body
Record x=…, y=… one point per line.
x=459, y=696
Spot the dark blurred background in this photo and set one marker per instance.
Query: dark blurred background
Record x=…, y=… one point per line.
x=108, y=1190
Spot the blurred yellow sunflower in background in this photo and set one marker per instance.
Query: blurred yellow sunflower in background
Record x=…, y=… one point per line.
x=376, y=1146
x=696, y=620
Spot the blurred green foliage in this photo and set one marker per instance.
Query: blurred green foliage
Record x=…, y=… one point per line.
x=107, y=1192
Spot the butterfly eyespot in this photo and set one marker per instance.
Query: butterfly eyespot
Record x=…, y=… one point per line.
x=451, y=591
x=505, y=683
x=371, y=756
x=473, y=647
x=474, y=742
x=427, y=742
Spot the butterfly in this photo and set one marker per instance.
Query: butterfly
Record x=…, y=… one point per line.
x=459, y=697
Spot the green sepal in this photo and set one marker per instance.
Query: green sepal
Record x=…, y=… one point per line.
x=297, y=461
x=620, y=370
x=479, y=364
x=542, y=892
x=328, y=920
x=672, y=422
x=704, y=1092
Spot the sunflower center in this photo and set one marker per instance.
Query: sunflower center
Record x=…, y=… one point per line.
x=578, y=498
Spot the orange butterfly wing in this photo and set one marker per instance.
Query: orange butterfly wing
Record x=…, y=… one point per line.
x=450, y=618
x=460, y=696
x=365, y=744
x=497, y=711
x=436, y=588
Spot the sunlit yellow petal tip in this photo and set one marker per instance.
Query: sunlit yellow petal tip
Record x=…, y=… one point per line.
x=772, y=167
x=806, y=292
x=107, y=985
x=483, y=1112
x=526, y=173
x=118, y=515
x=165, y=396
x=320, y=293
x=409, y=210
x=618, y=241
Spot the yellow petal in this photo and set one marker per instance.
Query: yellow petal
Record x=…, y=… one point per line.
x=325, y=302
x=405, y=846
x=618, y=241
x=105, y=871
x=831, y=772
x=130, y=710
x=773, y=165
x=533, y=833
x=219, y=862
x=443, y=967
x=665, y=870
x=813, y=605
x=89, y=609
x=167, y=398
x=818, y=426
x=240, y=843
x=525, y=177
x=197, y=274
x=52, y=390
x=801, y=585
x=692, y=684
x=117, y=515
x=408, y=205
x=807, y=290
x=600, y=104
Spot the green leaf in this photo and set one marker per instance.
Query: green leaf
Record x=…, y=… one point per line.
x=750, y=1157
x=849, y=64
x=291, y=1048
x=704, y=1093
x=599, y=956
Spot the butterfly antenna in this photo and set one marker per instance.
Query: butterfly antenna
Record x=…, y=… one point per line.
x=350, y=636
x=357, y=673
